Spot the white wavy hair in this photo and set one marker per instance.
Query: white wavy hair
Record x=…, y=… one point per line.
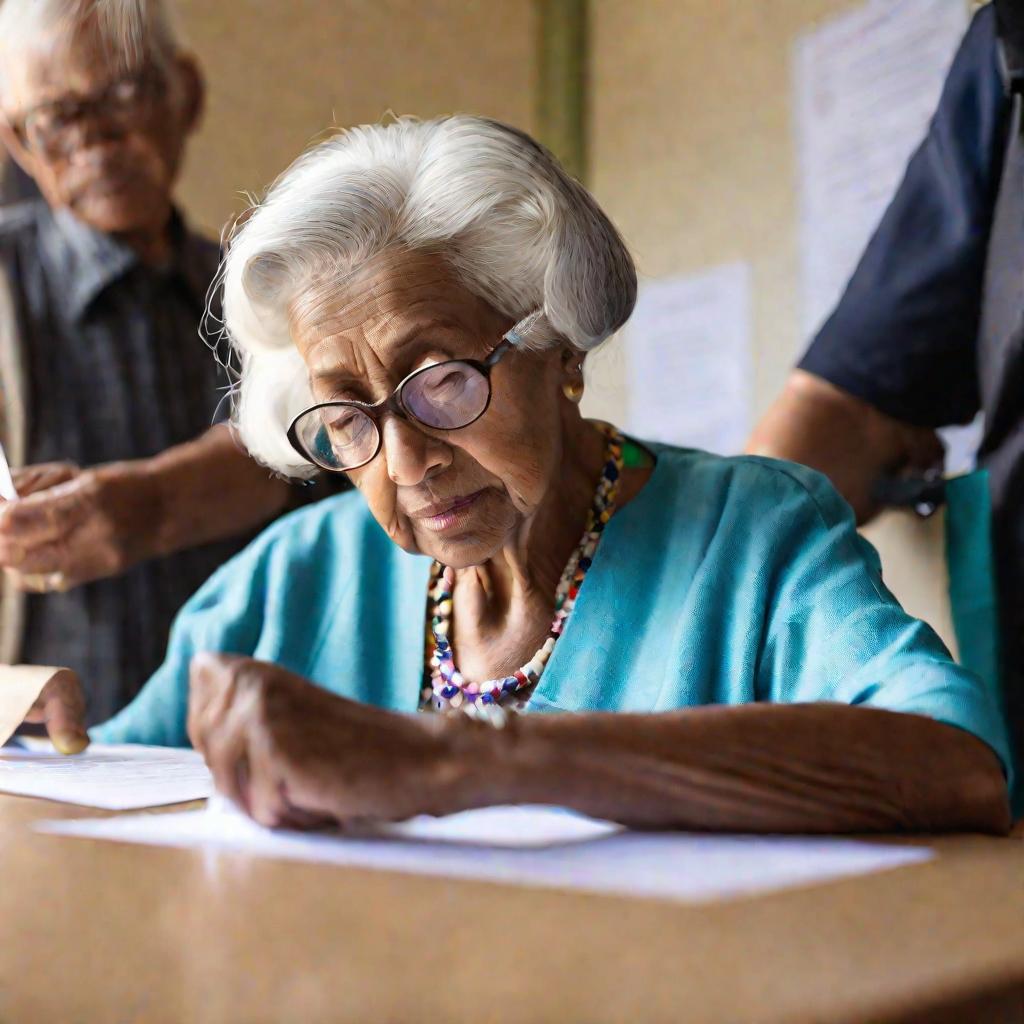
x=515, y=228
x=133, y=32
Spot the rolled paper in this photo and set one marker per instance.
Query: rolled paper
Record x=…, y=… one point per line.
x=20, y=686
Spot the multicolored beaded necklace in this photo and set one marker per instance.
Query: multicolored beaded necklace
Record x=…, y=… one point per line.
x=444, y=688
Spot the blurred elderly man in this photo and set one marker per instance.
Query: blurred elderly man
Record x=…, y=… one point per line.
x=102, y=290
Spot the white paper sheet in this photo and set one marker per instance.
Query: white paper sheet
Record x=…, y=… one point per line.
x=689, y=360
x=866, y=84
x=7, y=489
x=116, y=778
x=529, y=846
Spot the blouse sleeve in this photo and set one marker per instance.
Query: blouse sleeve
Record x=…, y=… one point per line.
x=267, y=602
x=225, y=614
x=834, y=632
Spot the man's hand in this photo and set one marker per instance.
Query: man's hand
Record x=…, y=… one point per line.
x=60, y=706
x=31, y=479
x=290, y=753
x=70, y=525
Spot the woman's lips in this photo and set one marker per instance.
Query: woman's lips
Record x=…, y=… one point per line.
x=447, y=515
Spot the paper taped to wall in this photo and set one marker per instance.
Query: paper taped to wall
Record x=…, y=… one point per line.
x=865, y=85
x=689, y=360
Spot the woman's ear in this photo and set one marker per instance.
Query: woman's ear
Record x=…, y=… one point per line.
x=572, y=368
x=572, y=359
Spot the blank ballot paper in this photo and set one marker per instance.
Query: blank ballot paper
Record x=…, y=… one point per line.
x=532, y=846
x=115, y=778
x=535, y=846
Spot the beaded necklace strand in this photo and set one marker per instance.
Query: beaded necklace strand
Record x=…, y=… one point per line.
x=445, y=689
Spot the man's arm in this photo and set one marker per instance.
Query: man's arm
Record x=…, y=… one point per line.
x=815, y=423
x=896, y=358
x=209, y=489
x=85, y=524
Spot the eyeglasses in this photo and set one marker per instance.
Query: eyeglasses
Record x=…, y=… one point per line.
x=48, y=128
x=341, y=436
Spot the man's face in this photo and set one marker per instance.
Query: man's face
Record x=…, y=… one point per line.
x=105, y=143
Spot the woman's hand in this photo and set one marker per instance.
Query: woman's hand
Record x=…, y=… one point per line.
x=60, y=706
x=292, y=754
x=72, y=525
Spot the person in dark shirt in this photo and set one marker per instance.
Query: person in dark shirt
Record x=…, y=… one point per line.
x=930, y=329
x=130, y=496
x=15, y=184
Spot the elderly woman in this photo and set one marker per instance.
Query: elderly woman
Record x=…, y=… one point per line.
x=709, y=639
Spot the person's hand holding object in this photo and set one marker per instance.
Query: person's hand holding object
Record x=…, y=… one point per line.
x=46, y=695
x=70, y=525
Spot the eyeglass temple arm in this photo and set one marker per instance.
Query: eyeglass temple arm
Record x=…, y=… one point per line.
x=518, y=335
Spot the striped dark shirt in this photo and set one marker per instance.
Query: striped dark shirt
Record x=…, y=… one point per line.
x=116, y=370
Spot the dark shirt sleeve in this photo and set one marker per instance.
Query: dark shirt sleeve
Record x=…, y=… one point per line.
x=903, y=335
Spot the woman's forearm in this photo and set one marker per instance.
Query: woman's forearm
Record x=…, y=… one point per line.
x=806, y=768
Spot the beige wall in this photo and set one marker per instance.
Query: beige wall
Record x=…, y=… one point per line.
x=281, y=71
x=692, y=153
x=691, y=138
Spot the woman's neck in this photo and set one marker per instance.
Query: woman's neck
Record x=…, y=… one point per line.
x=535, y=556
x=503, y=607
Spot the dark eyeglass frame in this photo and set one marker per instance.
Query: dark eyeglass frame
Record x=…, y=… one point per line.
x=393, y=403
x=103, y=104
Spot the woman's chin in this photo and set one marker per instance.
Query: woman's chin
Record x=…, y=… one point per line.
x=461, y=551
x=469, y=535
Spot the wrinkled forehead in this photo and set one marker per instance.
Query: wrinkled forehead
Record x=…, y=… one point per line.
x=384, y=311
x=57, y=63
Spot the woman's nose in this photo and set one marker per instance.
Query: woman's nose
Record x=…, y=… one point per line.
x=411, y=455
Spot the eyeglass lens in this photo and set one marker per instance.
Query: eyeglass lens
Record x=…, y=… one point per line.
x=47, y=127
x=446, y=396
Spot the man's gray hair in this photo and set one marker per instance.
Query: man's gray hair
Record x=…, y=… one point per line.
x=133, y=32
x=515, y=228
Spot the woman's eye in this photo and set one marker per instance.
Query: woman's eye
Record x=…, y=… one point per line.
x=337, y=421
x=450, y=384
x=345, y=426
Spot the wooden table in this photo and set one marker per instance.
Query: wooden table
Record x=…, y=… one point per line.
x=98, y=931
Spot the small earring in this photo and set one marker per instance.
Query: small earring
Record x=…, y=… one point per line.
x=573, y=390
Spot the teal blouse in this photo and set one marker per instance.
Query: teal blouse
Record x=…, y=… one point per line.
x=724, y=581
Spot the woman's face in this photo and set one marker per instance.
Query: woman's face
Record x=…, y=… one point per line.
x=456, y=495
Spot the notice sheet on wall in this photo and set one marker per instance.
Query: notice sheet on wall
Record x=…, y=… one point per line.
x=690, y=364
x=866, y=84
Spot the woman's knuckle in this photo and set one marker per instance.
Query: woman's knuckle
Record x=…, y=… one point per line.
x=246, y=677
